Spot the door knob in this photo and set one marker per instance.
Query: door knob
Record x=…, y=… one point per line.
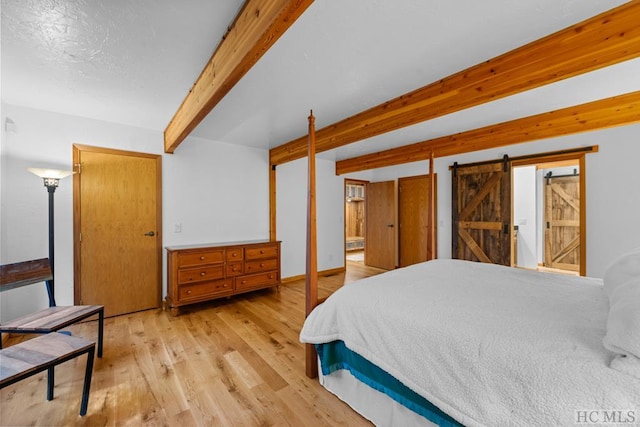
x=150, y=234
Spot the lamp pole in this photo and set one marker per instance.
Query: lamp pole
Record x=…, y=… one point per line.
x=51, y=179
x=51, y=188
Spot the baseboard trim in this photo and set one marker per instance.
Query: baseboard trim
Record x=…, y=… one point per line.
x=322, y=273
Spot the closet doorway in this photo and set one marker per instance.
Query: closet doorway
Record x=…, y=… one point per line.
x=548, y=206
x=354, y=219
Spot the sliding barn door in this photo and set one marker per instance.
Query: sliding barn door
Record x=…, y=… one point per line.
x=481, y=208
x=562, y=217
x=380, y=234
x=413, y=218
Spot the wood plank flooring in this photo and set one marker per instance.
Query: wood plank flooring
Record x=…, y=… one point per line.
x=232, y=362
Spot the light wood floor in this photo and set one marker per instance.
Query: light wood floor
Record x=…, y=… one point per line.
x=231, y=362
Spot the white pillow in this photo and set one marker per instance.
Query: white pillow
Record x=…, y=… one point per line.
x=622, y=285
x=624, y=268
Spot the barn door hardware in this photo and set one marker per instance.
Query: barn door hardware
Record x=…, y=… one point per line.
x=505, y=163
x=548, y=177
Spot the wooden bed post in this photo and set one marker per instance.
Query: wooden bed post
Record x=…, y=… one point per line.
x=311, y=283
x=432, y=207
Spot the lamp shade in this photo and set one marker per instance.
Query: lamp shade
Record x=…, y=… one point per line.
x=50, y=173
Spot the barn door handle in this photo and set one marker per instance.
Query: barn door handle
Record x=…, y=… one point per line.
x=150, y=234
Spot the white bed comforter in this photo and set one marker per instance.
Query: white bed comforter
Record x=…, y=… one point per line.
x=488, y=345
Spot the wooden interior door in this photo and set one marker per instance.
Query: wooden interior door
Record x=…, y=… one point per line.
x=117, y=225
x=380, y=225
x=413, y=219
x=481, y=208
x=562, y=217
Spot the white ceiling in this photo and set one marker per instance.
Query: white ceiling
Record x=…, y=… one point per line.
x=133, y=62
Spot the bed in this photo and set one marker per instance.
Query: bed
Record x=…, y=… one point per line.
x=483, y=344
x=451, y=342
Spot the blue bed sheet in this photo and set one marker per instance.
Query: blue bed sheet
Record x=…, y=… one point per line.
x=335, y=355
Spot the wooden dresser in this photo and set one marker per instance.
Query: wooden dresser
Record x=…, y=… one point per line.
x=199, y=273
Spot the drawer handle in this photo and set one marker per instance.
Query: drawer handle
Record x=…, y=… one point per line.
x=261, y=251
x=234, y=254
x=201, y=258
x=271, y=276
x=225, y=285
x=244, y=281
x=203, y=274
x=189, y=292
x=262, y=264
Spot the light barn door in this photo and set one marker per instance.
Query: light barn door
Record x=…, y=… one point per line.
x=413, y=212
x=380, y=232
x=118, y=230
x=481, y=208
x=562, y=217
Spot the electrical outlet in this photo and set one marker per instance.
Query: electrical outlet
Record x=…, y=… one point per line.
x=177, y=227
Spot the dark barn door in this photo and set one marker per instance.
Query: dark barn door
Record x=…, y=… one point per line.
x=481, y=212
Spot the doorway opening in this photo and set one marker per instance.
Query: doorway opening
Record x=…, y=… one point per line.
x=354, y=220
x=548, y=229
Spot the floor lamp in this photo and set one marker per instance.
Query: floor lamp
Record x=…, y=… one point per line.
x=51, y=179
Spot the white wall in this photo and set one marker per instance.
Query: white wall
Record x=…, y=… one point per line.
x=525, y=215
x=613, y=202
x=291, y=208
x=217, y=191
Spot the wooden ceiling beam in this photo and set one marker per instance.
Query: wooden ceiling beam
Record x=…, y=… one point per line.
x=605, y=113
x=256, y=28
x=601, y=41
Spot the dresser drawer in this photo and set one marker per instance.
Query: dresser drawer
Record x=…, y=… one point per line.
x=256, y=281
x=266, y=251
x=234, y=269
x=261, y=265
x=235, y=254
x=194, y=259
x=200, y=274
x=204, y=290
